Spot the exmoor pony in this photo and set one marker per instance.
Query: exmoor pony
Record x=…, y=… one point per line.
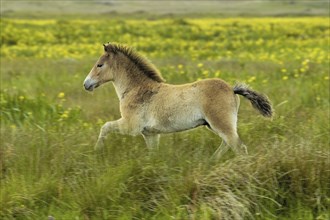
x=150, y=107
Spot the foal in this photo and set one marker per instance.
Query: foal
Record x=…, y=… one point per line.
x=150, y=107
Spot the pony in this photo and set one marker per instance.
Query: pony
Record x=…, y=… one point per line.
x=150, y=107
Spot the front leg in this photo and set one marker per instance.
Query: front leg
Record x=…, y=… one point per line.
x=152, y=141
x=118, y=126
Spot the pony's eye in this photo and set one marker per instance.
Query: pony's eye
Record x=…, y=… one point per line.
x=99, y=65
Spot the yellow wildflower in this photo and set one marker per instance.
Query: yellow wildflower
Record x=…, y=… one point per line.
x=305, y=62
x=217, y=73
x=285, y=78
x=65, y=114
x=251, y=79
x=61, y=95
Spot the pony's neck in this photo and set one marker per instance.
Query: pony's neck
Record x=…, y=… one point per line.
x=127, y=80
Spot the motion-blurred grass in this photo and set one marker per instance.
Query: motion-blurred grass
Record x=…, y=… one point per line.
x=49, y=124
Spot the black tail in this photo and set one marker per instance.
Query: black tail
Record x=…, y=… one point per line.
x=258, y=101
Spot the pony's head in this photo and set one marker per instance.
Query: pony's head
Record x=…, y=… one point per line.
x=102, y=71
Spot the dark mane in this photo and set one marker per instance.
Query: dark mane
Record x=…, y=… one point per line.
x=141, y=62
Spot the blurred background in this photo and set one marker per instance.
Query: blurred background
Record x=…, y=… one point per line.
x=158, y=7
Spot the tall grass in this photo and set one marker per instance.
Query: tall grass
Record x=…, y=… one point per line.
x=58, y=174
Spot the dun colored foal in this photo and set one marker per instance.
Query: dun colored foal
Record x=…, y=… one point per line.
x=150, y=107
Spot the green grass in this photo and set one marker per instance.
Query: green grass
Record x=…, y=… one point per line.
x=49, y=126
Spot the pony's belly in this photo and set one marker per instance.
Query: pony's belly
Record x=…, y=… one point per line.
x=173, y=124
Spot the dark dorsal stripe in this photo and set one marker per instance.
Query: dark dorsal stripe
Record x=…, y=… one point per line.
x=141, y=62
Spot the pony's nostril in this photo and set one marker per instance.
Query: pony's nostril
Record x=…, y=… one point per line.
x=90, y=87
x=87, y=87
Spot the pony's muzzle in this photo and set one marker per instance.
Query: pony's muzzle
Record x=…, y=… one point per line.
x=90, y=84
x=88, y=87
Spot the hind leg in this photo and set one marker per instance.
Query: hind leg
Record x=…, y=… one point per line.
x=225, y=127
x=222, y=149
x=231, y=141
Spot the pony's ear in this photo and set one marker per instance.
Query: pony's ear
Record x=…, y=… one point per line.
x=110, y=48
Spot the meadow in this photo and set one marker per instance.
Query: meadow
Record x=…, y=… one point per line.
x=49, y=124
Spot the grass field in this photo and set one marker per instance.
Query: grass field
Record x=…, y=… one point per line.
x=49, y=124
